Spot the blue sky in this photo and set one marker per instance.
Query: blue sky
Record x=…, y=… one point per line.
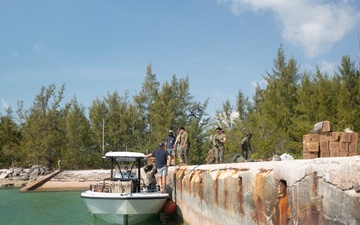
x=95, y=47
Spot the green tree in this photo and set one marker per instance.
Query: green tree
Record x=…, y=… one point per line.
x=348, y=94
x=97, y=113
x=80, y=151
x=145, y=101
x=43, y=127
x=10, y=136
x=274, y=108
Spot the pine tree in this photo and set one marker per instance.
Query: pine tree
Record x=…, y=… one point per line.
x=80, y=152
x=10, y=136
x=43, y=127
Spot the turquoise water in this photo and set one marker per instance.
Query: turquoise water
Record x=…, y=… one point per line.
x=55, y=208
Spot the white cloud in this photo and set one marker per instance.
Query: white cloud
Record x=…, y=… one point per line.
x=327, y=67
x=313, y=25
x=324, y=66
x=261, y=83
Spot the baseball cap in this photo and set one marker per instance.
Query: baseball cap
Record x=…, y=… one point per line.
x=170, y=131
x=161, y=144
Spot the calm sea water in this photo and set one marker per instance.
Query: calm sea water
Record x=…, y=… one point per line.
x=55, y=208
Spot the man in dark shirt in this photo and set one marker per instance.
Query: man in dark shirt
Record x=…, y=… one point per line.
x=162, y=158
x=169, y=143
x=245, y=146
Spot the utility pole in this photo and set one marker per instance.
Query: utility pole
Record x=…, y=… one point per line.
x=103, y=139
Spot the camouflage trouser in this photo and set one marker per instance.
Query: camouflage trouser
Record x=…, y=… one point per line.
x=183, y=154
x=245, y=153
x=219, y=154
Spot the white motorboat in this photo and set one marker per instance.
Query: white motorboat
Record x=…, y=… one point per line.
x=123, y=198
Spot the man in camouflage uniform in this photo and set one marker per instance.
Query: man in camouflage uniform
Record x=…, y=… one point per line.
x=218, y=145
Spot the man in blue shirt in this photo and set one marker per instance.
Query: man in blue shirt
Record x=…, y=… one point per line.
x=162, y=158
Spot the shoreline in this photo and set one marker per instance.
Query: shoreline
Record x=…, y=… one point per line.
x=67, y=180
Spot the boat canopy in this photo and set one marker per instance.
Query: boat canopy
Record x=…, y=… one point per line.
x=125, y=156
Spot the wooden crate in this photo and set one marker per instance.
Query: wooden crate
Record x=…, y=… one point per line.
x=335, y=137
x=352, y=153
x=324, y=154
x=345, y=137
x=352, y=147
x=354, y=137
x=310, y=155
x=306, y=155
x=326, y=126
x=334, y=146
x=334, y=154
x=324, y=137
x=313, y=147
x=314, y=155
x=314, y=137
x=344, y=146
x=324, y=146
x=305, y=149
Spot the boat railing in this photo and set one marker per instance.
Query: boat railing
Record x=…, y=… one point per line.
x=122, y=186
x=116, y=186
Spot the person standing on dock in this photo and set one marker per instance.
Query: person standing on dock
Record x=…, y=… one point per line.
x=162, y=159
x=170, y=147
x=183, y=139
x=218, y=145
x=245, y=146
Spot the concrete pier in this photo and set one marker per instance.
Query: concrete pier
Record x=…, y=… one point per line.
x=311, y=192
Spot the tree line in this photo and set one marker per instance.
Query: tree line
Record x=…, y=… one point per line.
x=278, y=115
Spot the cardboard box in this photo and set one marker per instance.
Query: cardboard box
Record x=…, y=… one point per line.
x=344, y=146
x=313, y=146
x=305, y=150
x=334, y=154
x=354, y=137
x=334, y=146
x=345, y=137
x=313, y=155
x=314, y=137
x=324, y=137
x=324, y=146
x=324, y=154
x=305, y=139
x=343, y=154
x=306, y=155
x=326, y=126
x=353, y=147
x=335, y=136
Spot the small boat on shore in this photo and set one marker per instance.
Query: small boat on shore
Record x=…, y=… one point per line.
x=124, y=198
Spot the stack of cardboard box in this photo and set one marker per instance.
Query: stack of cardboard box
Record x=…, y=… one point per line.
x=329, y=144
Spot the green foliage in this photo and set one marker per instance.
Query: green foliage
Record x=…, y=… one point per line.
x=278, y=116
x=289, y=106
x=43, y=128
x=10, y=136
x=80, y=151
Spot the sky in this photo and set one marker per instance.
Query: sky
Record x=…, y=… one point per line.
x=224, y=46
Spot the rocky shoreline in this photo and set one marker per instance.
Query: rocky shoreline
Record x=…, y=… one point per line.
x=65, y=180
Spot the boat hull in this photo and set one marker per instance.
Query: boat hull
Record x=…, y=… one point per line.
x=124, y=208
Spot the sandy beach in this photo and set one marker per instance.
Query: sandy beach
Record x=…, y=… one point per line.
x=74, y=180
